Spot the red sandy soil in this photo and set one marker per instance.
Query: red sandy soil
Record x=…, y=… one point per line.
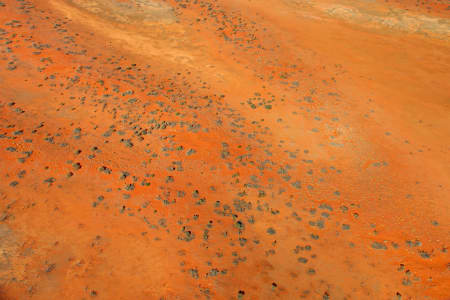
x=227, y=149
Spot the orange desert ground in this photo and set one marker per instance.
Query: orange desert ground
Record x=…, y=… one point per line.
x=224, y=149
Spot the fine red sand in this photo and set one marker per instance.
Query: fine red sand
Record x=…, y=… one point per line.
x=224, y=149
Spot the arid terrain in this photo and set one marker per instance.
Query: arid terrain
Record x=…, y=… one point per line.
x=224, y=149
